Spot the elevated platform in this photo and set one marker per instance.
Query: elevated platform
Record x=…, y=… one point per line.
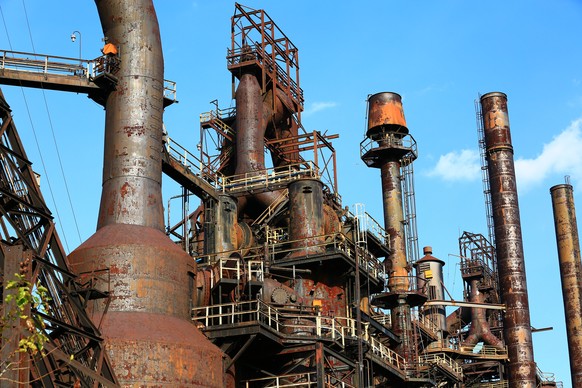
x=77, y=75
x=293, y=327
x=485, y=352
x=375, y=150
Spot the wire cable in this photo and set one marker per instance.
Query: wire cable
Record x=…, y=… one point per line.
x=34, y=134
x=54, y=137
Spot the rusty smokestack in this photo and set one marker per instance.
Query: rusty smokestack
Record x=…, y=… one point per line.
x=386, y=123
x=570, y=272
x=509, y=245
x=147, y=329
x=385, y=148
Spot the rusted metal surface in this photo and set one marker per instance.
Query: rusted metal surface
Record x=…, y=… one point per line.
x=133, y=117
x=250, y=131
x=225, y=231
x=147, y=328
x=480, y=329
x=157, y=350
x=397, y=265
x=568, y=243
x=385, y=113
x=430, y=277
x=306, y=226
x=509, y=245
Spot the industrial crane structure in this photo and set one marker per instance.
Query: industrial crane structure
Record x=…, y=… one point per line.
x=271, y=281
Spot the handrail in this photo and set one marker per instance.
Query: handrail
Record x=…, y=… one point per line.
x=272, y=207
x=170, y=90
x=486, y=350
x=306, y=379
x=374, y=228
x=444, y=361
x=269, y=177
x=57, y=65
x=388, y=140
x=256, y=268
x=19, y=60
x=253, y=52
x=335, y=242
x=545, y=377
x=425, y=322
x=295, y=322
x=193, y=163
x=226, y=265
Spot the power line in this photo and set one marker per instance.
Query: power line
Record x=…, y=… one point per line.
x=54, y=141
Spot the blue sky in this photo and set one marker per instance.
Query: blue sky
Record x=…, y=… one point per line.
x=438, y=55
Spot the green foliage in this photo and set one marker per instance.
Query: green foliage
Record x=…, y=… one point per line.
x=22, y=295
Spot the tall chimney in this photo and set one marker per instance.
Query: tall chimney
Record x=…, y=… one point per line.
x=147, y=328
x=385, y=147
x=509, y=245
x=570, y=272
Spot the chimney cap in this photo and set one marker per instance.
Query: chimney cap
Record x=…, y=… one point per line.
x=428, y=257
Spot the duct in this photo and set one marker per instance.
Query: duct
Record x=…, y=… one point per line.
x=509, y=245
x=570, y=272
x=253, y=115
x=480, y=329
x=147, y=329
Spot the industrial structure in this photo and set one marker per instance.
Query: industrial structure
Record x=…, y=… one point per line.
x=271, y=281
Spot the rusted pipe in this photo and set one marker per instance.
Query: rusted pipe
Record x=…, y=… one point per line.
x=147, y=329
x=250, y=126
x=480, y=329
x=570, y=272
x=386, y=121
x=394, y=225
x=133, y=118
x=509, y=245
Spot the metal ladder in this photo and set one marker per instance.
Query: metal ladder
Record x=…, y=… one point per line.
x=485, y=172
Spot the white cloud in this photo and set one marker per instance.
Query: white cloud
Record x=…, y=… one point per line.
x=318, y=106
x=561, y=156
x=458, y=166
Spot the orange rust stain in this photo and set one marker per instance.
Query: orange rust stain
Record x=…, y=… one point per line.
x=125, y=189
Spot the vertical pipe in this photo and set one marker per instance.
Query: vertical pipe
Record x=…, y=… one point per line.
x=394, y=224
x=570, y=272
x=250, y=130
x=132, y=170
x=147, y=329
x=509, y=245
x=386, y=126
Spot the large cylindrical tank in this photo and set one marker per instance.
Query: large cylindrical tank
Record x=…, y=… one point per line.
x=306, y=217
x=570, y=272
x=225, y=226
x=147, y=329
x=429, y=272
x=385, y=114
x=508, y=240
